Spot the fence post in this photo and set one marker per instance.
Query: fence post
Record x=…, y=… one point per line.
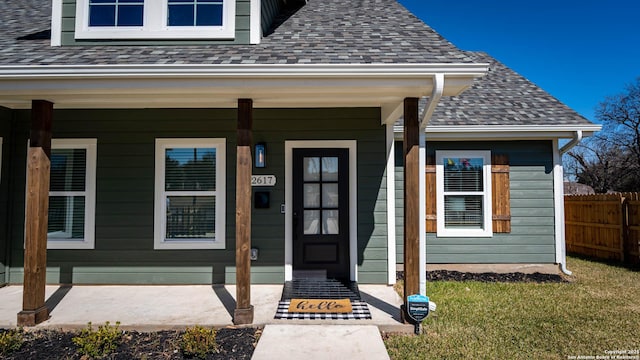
x=624, y=234
x=632, y=243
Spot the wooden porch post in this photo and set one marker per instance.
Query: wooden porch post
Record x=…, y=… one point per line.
x=412, y=167
x=243, y=313
x=34, y=310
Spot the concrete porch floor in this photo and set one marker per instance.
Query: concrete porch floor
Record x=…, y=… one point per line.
x=155, y=307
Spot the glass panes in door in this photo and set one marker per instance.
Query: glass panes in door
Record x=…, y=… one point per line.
x=320, y=195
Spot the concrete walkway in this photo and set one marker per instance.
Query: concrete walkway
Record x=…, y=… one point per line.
x=311, y=342
x=148, y=308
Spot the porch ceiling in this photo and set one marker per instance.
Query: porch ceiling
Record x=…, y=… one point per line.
x=287, y=86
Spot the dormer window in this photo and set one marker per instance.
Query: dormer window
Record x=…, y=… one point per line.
x=116, y=13
x=195, y=13
x=155, y=19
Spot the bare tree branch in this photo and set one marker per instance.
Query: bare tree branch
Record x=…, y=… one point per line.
x=611, y=159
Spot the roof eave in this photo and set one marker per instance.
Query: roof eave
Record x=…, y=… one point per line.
x=196, y=85
x=505, y=132
x=240, y=70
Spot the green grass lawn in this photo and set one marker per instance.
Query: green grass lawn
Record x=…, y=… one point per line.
x=598, y=311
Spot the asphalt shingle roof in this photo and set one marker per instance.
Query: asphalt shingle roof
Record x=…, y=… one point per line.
x=321, y=32
x=502, y=97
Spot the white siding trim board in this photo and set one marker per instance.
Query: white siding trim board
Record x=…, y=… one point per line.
x=422, y=155
x=391, y=203
x=255, y=34
x=558, y=199
x=56, y=22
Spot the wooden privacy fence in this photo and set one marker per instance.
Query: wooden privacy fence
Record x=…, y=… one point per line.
x=604, y=226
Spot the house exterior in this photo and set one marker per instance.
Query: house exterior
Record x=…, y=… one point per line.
x=494, y=168
x=159, y=142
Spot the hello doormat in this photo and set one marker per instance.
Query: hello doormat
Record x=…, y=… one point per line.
x=322, y=306
x=359, y=311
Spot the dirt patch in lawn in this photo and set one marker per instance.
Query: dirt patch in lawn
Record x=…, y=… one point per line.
x=233, y=343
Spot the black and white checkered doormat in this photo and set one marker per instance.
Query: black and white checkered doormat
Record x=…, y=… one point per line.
x=360, y=311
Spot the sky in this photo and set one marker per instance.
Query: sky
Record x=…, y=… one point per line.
x=580, y=51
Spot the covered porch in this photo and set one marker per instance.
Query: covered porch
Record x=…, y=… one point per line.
x=394, y=89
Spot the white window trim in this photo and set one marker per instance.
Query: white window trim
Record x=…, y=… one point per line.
x=487, y=230
x=88, y=242
x=155, y=24
x=255, y=31
x=160, y=204
x=56, y=22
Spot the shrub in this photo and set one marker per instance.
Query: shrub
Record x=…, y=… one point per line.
x=198, y=342
x=98, y=343
x=11, y=340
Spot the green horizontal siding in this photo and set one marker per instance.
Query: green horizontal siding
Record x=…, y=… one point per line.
x=135, y=275
x=270, y=9
x=532, y=237
x=372, y=277
x=399, y=201
x=242, y=34
x=259, y=274
x=522, y=239
x=276, y=127
x=375, y=254
x=125, y=192
x=502, y=249
x=489, y=258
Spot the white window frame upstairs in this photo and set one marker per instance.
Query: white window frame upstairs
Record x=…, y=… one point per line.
x=59, y=240
x=155, y=25
x=160, y=203
x=487, y=230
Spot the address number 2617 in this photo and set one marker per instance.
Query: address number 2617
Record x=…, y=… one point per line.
x=263, y=180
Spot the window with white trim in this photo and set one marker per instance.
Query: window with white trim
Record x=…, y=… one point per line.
x=190, y=194
x=72, y=194
x=116, y=13
x=463, y=181
x=194, y=12
x=155, y=19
